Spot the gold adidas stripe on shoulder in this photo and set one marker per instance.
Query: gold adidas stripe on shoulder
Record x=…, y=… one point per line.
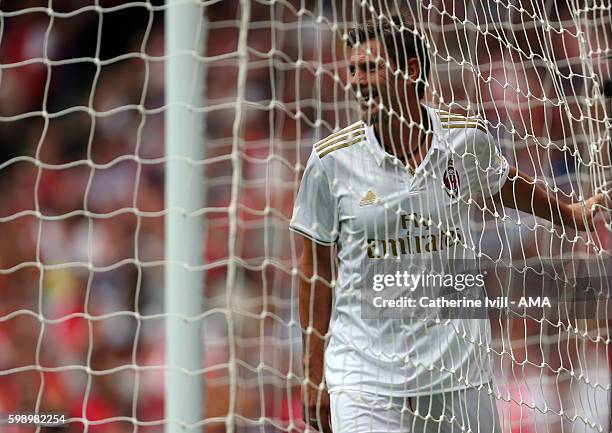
x=466, y=125
x=457, y=121
x=338, y=140
x=340, y=146
x=360, y=133
x=355, y=127
x=446, y=118
x=448, y=113
x=470, y=124
x=455, y=116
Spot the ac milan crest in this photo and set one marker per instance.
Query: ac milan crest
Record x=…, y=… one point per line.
x=451, y=180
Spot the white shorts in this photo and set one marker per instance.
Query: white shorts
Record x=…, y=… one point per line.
x=467, y=410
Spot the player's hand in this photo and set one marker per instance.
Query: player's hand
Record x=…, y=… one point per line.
x=585, y=214
x=316, y=411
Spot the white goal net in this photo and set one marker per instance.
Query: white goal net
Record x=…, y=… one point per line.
x=82, y=198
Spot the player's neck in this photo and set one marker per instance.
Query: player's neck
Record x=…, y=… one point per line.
x=406, y=140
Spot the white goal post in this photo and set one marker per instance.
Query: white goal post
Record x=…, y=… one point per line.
x=185, y=35
x=151, y=152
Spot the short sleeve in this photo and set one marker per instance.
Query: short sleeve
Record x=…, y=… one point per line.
x=488, y=170
x=314, y=211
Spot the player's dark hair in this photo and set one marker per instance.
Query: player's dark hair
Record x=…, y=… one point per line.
x=400, y=42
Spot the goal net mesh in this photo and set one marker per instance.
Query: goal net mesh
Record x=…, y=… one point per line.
x=82, y=200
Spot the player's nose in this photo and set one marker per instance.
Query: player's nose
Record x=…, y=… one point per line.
x=359, y=83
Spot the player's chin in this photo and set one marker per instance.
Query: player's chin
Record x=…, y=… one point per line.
x=370, y=116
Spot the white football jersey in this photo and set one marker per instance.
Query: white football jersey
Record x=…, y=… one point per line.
x=381, y=214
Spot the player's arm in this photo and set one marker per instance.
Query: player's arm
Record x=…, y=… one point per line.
x=523, y=193
x=315, y=268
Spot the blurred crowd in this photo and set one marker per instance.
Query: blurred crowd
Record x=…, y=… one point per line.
x=82, y=198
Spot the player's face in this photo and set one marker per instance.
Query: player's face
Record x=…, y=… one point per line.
x=378, y=84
